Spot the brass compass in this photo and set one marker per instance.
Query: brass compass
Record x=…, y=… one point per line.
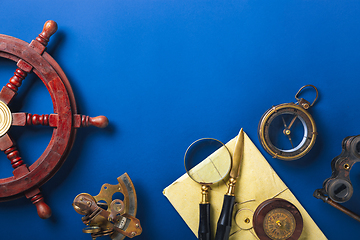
x=277, y=219
x=287, y=131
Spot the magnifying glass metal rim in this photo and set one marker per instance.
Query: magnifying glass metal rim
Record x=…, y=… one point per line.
x=223, y=145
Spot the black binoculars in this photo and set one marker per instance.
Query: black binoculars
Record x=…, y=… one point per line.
x=338, y=188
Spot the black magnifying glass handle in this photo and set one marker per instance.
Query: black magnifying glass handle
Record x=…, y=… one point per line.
x=204, y=232
x=224, y=222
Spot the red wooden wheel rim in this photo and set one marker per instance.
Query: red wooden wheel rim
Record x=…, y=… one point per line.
x=50, y=73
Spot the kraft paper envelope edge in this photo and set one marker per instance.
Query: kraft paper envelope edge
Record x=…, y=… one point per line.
x=257, y=182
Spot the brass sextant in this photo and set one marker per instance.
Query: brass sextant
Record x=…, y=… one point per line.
x=106, y=215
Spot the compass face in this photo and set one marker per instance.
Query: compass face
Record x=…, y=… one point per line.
x=279, y=224
x=277, y=219
x=287, y=131
x=287, y=139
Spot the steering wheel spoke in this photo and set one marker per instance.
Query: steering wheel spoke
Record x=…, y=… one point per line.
x=28, y=119
x=6, y=142
x=8, y=146
x=9, y=91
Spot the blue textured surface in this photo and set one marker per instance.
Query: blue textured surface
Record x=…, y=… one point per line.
x=166, y=73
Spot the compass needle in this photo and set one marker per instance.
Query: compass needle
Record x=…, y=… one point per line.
x=291, y=141
x=292, y=122
x=282, y=117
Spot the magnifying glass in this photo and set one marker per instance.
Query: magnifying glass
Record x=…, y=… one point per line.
x=207, y=161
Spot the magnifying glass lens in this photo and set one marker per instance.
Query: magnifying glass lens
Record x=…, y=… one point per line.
x=207, y=161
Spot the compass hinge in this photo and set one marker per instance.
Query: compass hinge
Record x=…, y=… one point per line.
x=304, y=104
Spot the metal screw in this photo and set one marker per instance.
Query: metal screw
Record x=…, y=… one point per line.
x=306, y=105
x=133, y=234
x=137, y=225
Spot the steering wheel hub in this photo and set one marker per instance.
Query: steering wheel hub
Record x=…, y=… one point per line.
x=5, y=118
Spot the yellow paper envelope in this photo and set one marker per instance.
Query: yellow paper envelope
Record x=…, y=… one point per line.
x=257, y=182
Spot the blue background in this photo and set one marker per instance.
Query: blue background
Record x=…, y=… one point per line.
x=166, y=73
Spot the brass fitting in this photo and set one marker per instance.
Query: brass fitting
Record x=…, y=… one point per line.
x=205, y=194
x=232, y=184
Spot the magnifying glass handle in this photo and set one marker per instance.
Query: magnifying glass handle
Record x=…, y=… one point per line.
x=204, y=225
x=224, y=222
